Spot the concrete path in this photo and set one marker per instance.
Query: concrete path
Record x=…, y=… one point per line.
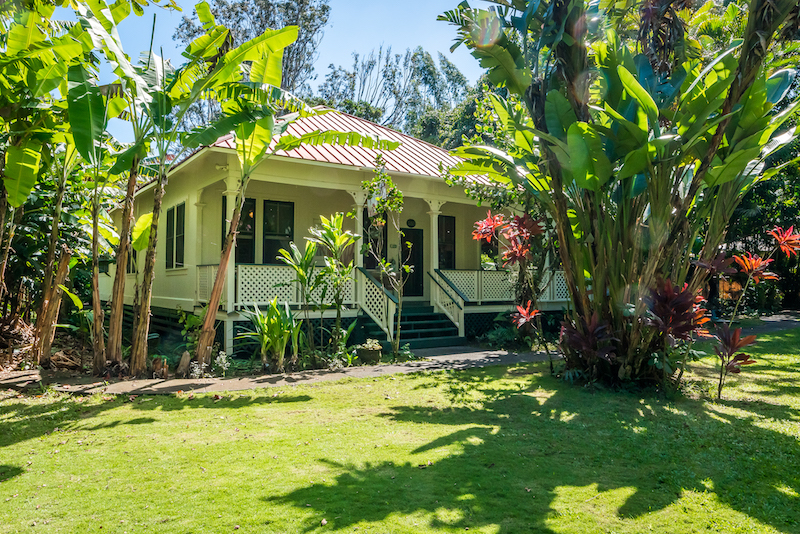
x=448, y=358
x=438, y=359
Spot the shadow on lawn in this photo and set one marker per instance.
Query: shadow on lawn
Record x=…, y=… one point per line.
x=522, y=447
x=74, y=414
x=7, y=472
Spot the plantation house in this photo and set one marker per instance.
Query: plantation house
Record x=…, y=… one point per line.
x=447, y=295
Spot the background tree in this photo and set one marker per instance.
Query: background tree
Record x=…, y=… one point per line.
x=247, y=19
x=401, y=91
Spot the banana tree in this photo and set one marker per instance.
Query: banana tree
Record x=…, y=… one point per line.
x=37, y=52
x=250, y=109
x=64, y=161
x=90, y=108
x=639, y=163
x=211, y=63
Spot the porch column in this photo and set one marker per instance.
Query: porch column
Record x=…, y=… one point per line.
x=231, y=191
x=434, y=212
x=198, y=241
x=360, y=198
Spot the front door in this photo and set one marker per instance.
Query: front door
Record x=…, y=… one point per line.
x=413, y=257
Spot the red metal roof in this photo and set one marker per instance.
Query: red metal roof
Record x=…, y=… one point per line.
x=413, y=156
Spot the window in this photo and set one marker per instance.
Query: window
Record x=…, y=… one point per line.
x=176, y=222
x=278, y=228
x=447, y=242
x=377, y=236
x=246, y=236
x=130, y=268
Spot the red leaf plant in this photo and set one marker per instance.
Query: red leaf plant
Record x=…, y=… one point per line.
x=718, y=266
x=586, y=342
x=787, y=240
x=524, y=316
x=731, y=360
x=755, y=267
x=675, y=312
x=486, y=228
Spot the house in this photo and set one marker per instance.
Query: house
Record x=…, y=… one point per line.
x=448, y=296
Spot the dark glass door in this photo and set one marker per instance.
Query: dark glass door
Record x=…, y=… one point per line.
x=414, y=257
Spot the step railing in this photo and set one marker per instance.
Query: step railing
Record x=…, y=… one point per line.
x=378, y=303
x=480, y=286
x=448, y=301
x=497, y=286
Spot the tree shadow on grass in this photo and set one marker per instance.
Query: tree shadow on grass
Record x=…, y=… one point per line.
x=24, y=420
x=522, y=450
x=7, y=472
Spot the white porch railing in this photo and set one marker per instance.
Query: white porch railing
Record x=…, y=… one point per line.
x=377, y=302
x=448, y=301
x=205, y=281
x=260, y=284
x=555, y=287
x=498, y=286
x=481, y=286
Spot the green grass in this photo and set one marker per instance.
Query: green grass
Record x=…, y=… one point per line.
x=506, y=450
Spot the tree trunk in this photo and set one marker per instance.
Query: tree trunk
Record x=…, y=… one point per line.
x=15, y=218
x=139, y=342
x=114, y=348
x=45, y=339
x=205, y=341
x=48, y=288
x=3, y=209
x=98, y=339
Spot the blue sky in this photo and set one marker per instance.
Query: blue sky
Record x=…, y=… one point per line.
x=353, y=26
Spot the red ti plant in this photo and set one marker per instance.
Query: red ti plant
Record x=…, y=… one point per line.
x=588, y=340
x=676, y=313
x=731, y=360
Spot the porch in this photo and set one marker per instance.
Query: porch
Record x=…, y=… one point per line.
x=454, y=294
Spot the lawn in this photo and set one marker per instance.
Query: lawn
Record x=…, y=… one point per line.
x=506, y=450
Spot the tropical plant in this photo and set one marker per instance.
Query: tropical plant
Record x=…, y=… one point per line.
x=338, y=245
x=633, y=166
x=731, y=360
x=306, y=277
x=272, y=331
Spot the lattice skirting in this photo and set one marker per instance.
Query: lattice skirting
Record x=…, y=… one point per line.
x=477, y=324
x=164, y=322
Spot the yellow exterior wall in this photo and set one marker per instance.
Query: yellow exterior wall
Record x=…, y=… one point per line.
x=314, y=189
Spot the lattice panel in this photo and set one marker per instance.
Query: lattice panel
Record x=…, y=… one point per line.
x=348, y=292
x=559, y=285
x=497, y=285
x=205, y=281
x=375, y=303
x=257, y=284
x=465, y=281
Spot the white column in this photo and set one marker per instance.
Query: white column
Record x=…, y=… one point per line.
x=434, y=212
x=360, y=198
x=228, y=325
x=231, y=191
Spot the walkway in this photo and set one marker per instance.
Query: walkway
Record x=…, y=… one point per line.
x=448, y=358
x=439, y=359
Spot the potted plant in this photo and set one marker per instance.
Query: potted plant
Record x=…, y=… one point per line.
x=369, y=351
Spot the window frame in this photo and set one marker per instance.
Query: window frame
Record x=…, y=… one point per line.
x=175, y=254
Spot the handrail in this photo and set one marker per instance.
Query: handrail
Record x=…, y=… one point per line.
x=452, y=285
x=445, y=291
x=375, y=281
